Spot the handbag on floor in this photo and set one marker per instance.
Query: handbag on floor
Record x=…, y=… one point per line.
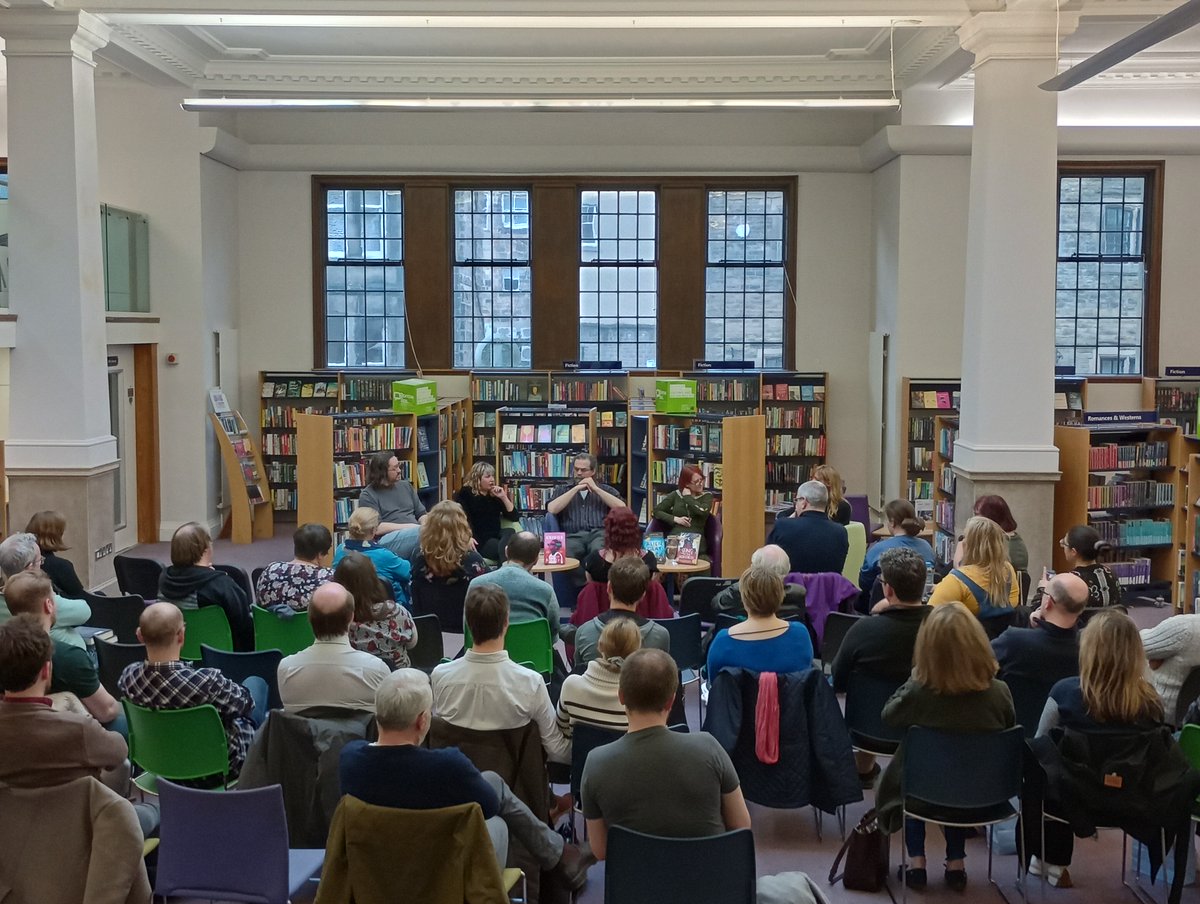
x=867, y=853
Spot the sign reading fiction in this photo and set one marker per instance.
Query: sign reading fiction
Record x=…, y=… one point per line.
x=1119, y=418
x=1181, y=371
x=702, y=364
x=592, y=365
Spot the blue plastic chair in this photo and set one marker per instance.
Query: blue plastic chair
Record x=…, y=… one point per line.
x=643, y=867
x=865, y=696
x=584, y=739
x=240, y=666
x=686, y=649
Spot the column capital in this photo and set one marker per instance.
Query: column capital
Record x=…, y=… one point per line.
x=1027, y=31
x=35, y=31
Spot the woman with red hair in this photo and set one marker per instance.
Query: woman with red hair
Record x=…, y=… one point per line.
x=686, y=510
x=622, y=537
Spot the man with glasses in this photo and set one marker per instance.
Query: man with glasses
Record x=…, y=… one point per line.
x=580, y=509
x=19, y=553
x=400, y=510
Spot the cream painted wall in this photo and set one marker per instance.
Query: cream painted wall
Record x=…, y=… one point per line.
x=885, y=224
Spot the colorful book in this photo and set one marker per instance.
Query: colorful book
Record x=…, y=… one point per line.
x=545, y=433
x=268, y=389
x=508, y=433
x=655, y=543
x=528, y=433
x=554, y=547
x=562, y=434
x=943, y=400
x=606, y=418
x=689, y=549
x=578, y=434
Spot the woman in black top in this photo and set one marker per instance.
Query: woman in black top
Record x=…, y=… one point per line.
x=622, y=537
x=1081, y=546
x=486, y=503
x=839, y=509
x=49, y=527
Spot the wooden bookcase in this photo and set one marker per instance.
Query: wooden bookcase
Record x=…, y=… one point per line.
x=921, y=401
x=536, y=455
x=1176, y=400
x=369, y=390
x=742, y=522
x=453, y=462
x=492, y=390
x=1070, y=400
x=1128, y=483
x=639, y=465
x=283, y=396
x=332, y=459
x=679, y=439
x=427, y=469
x=608, y=392
x=793, y=408
x=251, y=514
x=727, y=393
x=944, y=487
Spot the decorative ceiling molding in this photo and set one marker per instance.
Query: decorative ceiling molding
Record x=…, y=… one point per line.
x=927, y=49
x=1147, y=70
x=161, y=49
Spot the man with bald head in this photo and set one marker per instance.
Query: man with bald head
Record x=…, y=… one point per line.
x=1048, y=650
x=775, y=559
x=330, y=672
x=529, y=597
x=165, y=682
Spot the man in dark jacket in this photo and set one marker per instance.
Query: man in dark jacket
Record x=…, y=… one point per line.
x=813, y=543
x=192, y=582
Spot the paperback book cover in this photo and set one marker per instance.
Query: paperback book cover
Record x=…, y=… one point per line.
x=655, y=543
x=268, y=389
x=554, y=547
x=508, y=433
x=578, y=434
x=422, y=440
x=606, y=418
x=621, y=419
x=545, y=433
x=689, y=549
x=528, y=433
x=943, y=400
x=306, y=390
x=562, y=434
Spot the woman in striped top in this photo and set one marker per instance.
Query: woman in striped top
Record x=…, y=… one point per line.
x=592, y=696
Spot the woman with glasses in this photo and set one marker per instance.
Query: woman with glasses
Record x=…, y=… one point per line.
x=687, y=509
x=1082, y=546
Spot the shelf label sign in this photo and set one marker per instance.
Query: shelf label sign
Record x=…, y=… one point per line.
x=1064, y=370
x=592, y=365
x=1119, y=418
x=701, y=364
x=1181, y=371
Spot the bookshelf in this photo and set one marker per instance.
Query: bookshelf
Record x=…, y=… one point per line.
x=727, y=392
x=453, y=462
x=743, y=526
x=492, y=390
x=370, y=391
x=1175, y=399
x=639, y=465
x=536, y=451
x=251, y=513
x=793, y=408
x=608, y=392
x=427, y=469
x=1127, y=483
x=284, y=395
x=679, y=439
x=1070, y=400
x=332, y=454
x=945, y=431
x=922, y=400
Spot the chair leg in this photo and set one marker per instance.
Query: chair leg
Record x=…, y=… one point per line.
x=903, y=860
x=1136, y=886
x=817, y=823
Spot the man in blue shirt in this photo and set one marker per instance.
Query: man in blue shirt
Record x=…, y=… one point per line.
x=529, y=597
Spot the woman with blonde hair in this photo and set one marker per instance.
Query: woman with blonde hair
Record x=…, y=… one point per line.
x=447, y=555
x=764, y=642
x=953, y=688
x=985, y=582
x=592, y=697
x=838, y=509
x=487, y=504
x=360, y=537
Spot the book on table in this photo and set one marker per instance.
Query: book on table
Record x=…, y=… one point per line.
x=689, y=549
x=554, y=548
x=655, y=543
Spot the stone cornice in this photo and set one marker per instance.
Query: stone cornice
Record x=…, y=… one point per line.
x=1024, y=34
x=30, y=31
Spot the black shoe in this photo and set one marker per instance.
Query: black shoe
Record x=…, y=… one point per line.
x=956, y=880
x=914, y=877
x=867, y=779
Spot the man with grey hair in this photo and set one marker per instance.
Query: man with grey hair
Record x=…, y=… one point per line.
x=581, y=509
x=396, y=771
x=19, y=553
x=773, y=558
x=812, y=542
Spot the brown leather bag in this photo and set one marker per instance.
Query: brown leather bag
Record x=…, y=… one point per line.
x=866, y=850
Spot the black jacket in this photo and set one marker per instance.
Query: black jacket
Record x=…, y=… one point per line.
x=812, y=541
x=195, y=584
x=816, y=765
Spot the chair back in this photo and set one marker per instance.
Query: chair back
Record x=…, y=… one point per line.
x=1026, y=583
x=860, y=511
x=865, y=696
x=178, y=744
x=530, y=642
x=685, y=640
x=1187, y=695
x=111, y=659
x=698, y=593
x=443, y=600
x=274, y=632
x=206, y=625
x=120, y=614
x=240, y=578
x=1029, y=699
x=429, y=648
x=238, y=667
x=1189, y=743
x=255, y=575
x=138, y=576
x=963, y=771
x=837, y=624
x=857, y=554
x=584, y=739
x=227, y=846
x=643, y=867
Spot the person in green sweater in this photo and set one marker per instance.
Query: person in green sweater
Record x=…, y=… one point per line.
x=687, y=509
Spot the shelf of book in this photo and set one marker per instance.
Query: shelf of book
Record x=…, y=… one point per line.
x=251, y=514
x=369, y=390
x=536, y=452
x=1070, y=400
x=793, y=409
x=639, y=464
x=944, y=487
x=332, y=455
x=608, y=392
x=427, y=468
x=1176, y=400
x=491, y=390
x=676, y=440
x=283, y=395
x=921, y=401
x=1127, y=483
x=727, y=392
x=453, y=461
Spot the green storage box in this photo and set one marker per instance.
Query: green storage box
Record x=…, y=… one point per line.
x=675, y=396
x=414, y=396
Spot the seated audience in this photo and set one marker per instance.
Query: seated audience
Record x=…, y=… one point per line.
x=485, y=690
x=985, y=582
x=529, y=597
x=380, y=627
x=622, y=537
x=627, y=580
x=19, y=553
x=773, y=558
x=994, y=508
x=813, y=542
x=1173, y=648
x=592, y=697
x=487, y=505
x=1081, y=546
x=164, y=682
x=48, y=528
x=906, y=527
x=882, y=644
x=838, y=509
x=953, y=688
x=446, y=556
x=686, y=510
x=392, y=570
x=1048, y=650
x=190, y=582
x=290, y=584
x=72, y=668
x=763, y=642
x=330, y=672
x=397, y=771
x=401, y=512
x=39, y=746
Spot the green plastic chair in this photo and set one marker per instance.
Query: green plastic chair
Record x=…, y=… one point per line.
x=176, y=744
x=207, y=625
x=288, y=635
x=528, y=643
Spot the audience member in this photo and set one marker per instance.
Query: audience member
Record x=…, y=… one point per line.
x=622, y=537
x=1081, y=546
x=392, y=570
x=581, y=508
x=20, y=553
x=812, y=542
x=687, y=509
x=288, y=585
x=985, y=582
x=190, y=582
x=401, y=512
x=994, y=508
x=1048, y=650
x=773, y=558
x=39, y=746
x=906, y=527
x=446, y=556
x=1173, y=648
x=49, y=527
x=881, y=646
x=72, y=670
x=330, y=672
x=485, y=690
x=592, y=697
x=627, y=580
x=838, y=509
x=380, y=627
x=953, y=688
x=529, y=597
x=763, y=642
x=164, y=682
x=487, y=505
x=397, y=771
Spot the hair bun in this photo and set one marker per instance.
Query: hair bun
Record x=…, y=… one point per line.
x=913, y=526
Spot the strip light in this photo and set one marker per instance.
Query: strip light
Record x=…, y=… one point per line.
x=201, y=104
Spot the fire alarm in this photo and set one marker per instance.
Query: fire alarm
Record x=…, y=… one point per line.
x=172, y=358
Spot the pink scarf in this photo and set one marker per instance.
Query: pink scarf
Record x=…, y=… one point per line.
x=766, y=719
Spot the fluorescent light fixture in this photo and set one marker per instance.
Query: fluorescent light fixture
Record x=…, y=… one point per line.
x=367, y=20
x=200, y=104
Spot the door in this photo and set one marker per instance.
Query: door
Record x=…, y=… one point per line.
x=122, y=422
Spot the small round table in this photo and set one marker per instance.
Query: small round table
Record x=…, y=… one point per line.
x=569, y=564
x=670, y=569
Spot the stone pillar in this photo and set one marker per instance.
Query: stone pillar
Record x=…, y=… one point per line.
x=61, y=453
x=1006, y=439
